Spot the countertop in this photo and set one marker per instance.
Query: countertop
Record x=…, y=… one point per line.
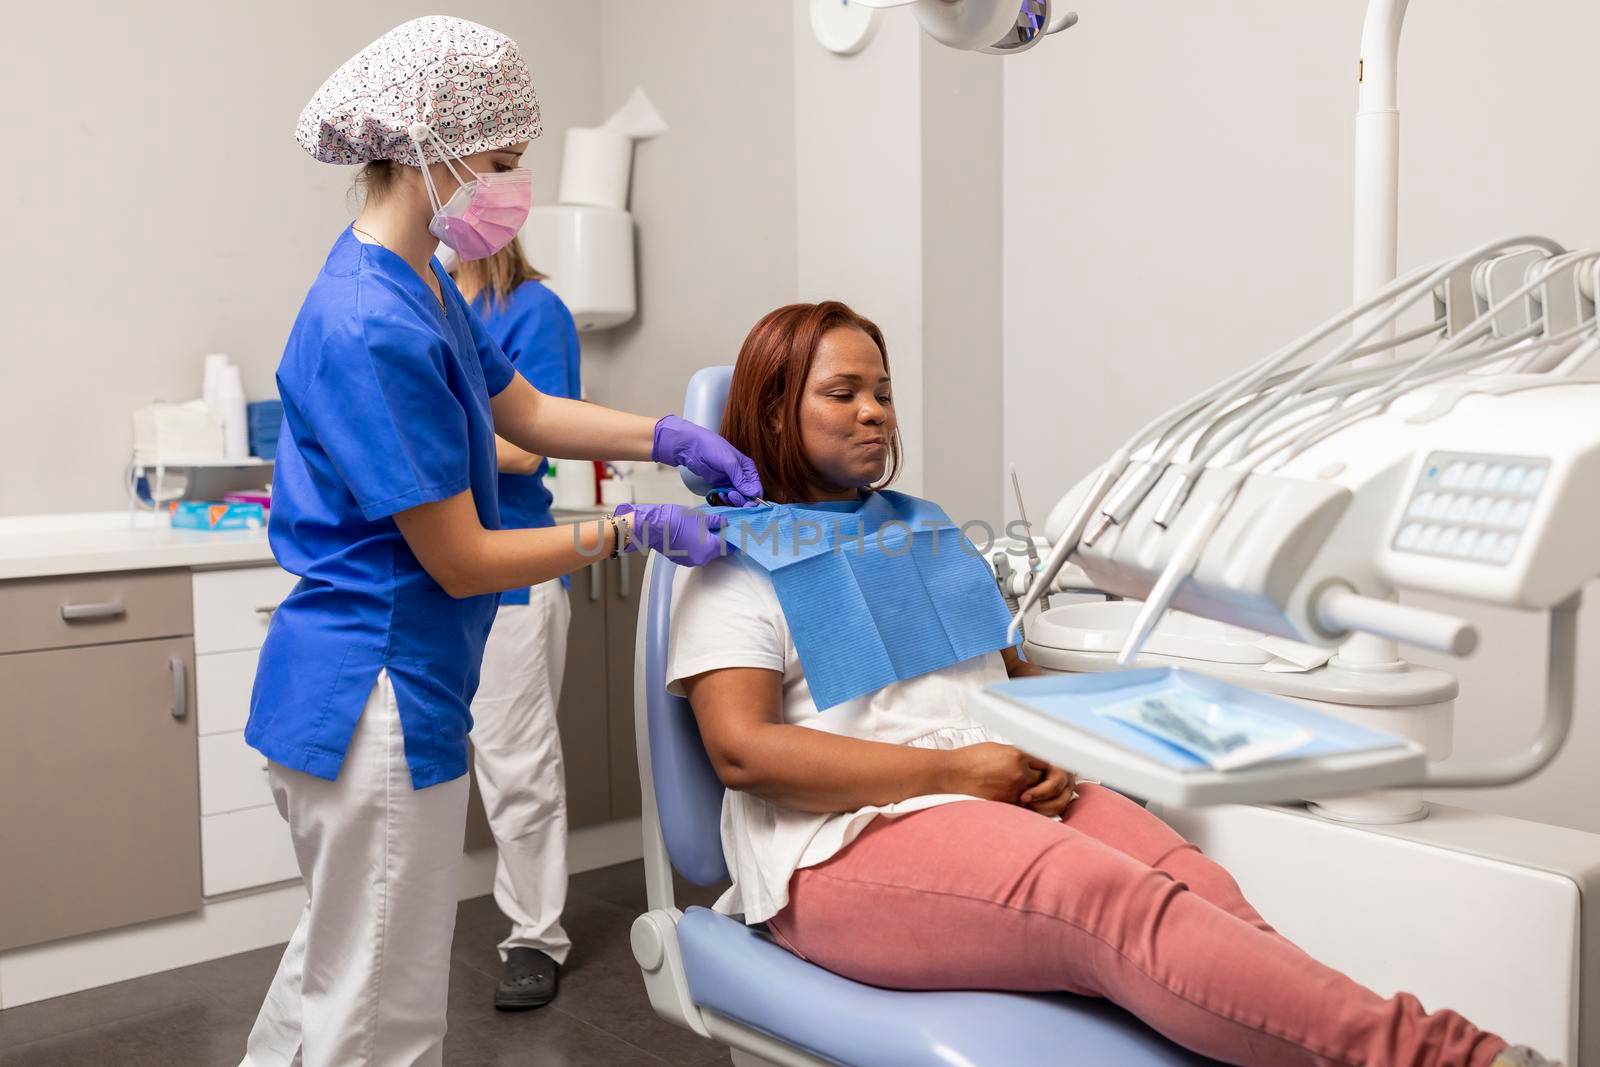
x=35, y=546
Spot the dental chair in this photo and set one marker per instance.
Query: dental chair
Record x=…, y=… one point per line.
x=733, y=984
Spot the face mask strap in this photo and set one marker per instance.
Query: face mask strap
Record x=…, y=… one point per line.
x=418, y=132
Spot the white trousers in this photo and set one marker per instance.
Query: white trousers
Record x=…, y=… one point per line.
x=364, y=980
x=517, y=750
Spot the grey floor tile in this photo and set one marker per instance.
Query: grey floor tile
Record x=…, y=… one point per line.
x=200, y=1034
x=200, y=1015
x=478, y=930
x=603, y=987
x=616, y=1002
x=189, y=1034
x=248, y=970
x=547, y=1037
x=480, y=911
x=471, y=996
x=72, y=1050
x=78, y=1011
x=623, y=884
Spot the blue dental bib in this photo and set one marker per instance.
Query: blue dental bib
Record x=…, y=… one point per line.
x=875, y=590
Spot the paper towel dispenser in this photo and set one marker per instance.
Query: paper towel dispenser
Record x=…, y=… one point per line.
x=584, y=243
x=587, y=252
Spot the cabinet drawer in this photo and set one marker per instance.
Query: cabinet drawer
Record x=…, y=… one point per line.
x=233, y=607
x=222, y=687
x=244, y=849
x=232, y=774
x=94, y=609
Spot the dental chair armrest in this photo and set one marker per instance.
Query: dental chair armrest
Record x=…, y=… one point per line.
x=654, y=940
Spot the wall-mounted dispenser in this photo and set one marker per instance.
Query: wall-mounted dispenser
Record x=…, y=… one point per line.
x=584, y=242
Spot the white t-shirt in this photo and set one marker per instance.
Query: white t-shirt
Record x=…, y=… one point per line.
x=726, y=614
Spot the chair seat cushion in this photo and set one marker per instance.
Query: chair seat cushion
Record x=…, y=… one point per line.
x=741, y=975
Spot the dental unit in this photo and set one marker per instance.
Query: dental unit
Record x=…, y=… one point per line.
x=1438, y=438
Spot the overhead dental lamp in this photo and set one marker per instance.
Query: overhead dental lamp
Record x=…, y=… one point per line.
x=998, y=27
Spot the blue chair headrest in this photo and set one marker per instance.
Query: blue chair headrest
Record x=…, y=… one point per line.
x=688, y=792
x=703, y=404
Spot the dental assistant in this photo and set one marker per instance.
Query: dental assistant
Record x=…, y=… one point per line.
x=385, y=504
x=514, y=736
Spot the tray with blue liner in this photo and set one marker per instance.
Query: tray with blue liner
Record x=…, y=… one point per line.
x=1064, y=719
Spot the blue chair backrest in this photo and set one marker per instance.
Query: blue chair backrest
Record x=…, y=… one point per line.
x=688, y=792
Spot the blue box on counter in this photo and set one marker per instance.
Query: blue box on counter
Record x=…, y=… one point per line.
x=265, y=414
x=204, y=515
x=266, y=420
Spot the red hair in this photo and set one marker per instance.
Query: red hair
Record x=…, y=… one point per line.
x=768, y=382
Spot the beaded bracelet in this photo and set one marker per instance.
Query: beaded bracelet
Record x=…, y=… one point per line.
x=621, y=535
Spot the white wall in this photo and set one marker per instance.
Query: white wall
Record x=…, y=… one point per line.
x=714, y=198
x=157, y=206
x=1178, y=185
x=858, y=127
x=962, y=269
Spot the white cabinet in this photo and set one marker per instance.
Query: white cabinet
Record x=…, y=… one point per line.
x=232, y=775
x=233, y=607
x=244, y=842
x=245, y=849
x=224, y=680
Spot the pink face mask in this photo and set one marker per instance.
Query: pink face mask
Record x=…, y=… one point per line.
x=485, y=214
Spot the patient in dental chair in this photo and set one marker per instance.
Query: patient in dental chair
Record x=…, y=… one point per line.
x=897, y=842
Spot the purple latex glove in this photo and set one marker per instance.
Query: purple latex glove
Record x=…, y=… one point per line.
x=681, y=443
x=683, y=535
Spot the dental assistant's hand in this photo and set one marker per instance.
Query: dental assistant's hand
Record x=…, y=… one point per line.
x=682, y=534
x=1052, y=794
x=992, y=771
x=681, y=443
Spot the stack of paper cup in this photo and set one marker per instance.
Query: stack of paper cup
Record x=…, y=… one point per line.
x=215, y=362
x=230, y=404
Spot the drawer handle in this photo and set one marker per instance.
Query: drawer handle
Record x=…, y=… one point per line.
x=266, y=609
x=594, y=581
x=625, y=578
x=107, y=609
x=180, y=686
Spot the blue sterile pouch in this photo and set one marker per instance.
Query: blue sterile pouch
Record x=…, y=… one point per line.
x=875, y=590
x=1221, y=733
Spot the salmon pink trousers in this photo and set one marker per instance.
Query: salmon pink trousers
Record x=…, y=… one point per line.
x=1110, y=902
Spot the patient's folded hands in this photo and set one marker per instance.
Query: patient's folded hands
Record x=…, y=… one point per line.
x=1051, y=795
x=1009, y=775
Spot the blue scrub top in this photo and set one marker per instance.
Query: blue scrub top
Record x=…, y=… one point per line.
x=386, y=406
x=536, y=332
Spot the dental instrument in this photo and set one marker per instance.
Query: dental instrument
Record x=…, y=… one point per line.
x=1186, y=555
x=1108, y=499
x=1027, y=530
x=1299, y=390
